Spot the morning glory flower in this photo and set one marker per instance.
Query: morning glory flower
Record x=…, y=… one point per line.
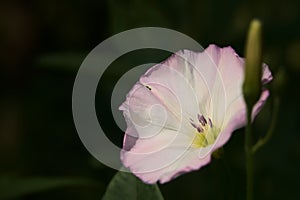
x=182, y=110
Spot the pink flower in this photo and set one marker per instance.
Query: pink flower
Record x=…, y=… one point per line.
x=182, y=110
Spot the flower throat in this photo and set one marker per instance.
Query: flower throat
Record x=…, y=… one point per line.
x=206, y=133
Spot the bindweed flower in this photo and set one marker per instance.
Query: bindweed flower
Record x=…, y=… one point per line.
x=182, y=110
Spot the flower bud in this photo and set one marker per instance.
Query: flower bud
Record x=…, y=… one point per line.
x=253, y=72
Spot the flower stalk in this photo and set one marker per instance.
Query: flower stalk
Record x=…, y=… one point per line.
x=249, y=156
x=252, y=91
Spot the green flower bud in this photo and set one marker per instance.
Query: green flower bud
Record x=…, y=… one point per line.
x=253, y=72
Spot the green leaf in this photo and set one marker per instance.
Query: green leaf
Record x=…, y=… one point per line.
x=127, y=187
x=14, y=187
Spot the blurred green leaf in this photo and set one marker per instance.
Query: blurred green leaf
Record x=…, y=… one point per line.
x=14, y=187
x=126, y=186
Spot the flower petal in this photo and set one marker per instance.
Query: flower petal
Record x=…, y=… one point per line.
x=173, y=77
x=162, y=157
x=203, y=67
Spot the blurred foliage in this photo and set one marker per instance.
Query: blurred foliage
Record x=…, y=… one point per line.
x=43, y=44
x=128, y=187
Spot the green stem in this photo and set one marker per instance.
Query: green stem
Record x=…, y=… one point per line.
x=249, y=156
x=261, y=142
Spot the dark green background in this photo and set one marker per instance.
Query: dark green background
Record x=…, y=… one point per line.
x=42, y=44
